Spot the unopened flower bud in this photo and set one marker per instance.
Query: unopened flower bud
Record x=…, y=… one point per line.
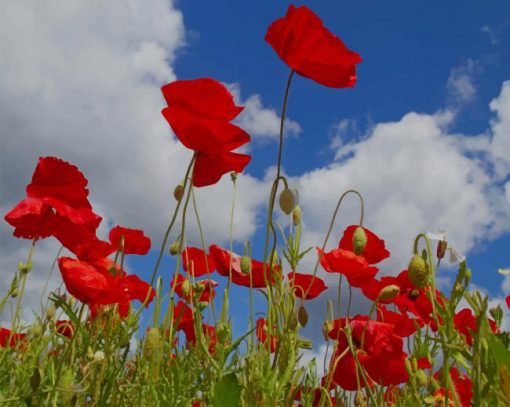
x=326, y=329
x=24, y=268
x=224, y=332
x=302, y=315
x=293, y=321
x=359, y=240
x=287, y=201
x=389, y=292
x=246, y=264
x=421, y=377
x=441, y=249
x=175, y=248
x=50, y=313
x=418, y=271
x=296, y=215
x=179, y=192
x=186, y=287
x=152, y=338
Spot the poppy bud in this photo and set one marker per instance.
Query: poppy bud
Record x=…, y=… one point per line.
x=389, y=292
x=179, y=192
x=359, y=240
x=152, y=339
x=50, y=313
x=326, y=329
x=186, y=287
x=293, y=321
x=296, y=215
x=302, y=315
x=441, y=249
x=224, y=332
x=175, y=248
x=287, y=201
x=24, y=268
x=418, y=271
x=246, y=264
x=421, y=377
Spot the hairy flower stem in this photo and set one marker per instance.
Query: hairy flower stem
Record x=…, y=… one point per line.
x=172, y=222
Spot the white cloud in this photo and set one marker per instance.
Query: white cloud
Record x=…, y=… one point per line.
x=81, y=80
x=259, y=121
x=461, y=86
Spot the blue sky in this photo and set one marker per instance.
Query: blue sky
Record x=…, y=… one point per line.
x=90, y=75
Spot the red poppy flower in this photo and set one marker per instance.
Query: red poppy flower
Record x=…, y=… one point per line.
x=226, y=263
x=197, y=262
x=463, y=387
x=10, y=339
x=184, y=289
x=355, y=268
x=379, y=351
x=507, y=300
x=182, y=315
x=465, y=323
x=65, y=328
x=303, y=283
x=404, y=326
x=135, y=242
x=375, y=249
x=96, y=286
x=306, y=46
x=263, y=334
x=57, y=191
x=199, y=112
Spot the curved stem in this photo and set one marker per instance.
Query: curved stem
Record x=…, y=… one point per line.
x=332, y=223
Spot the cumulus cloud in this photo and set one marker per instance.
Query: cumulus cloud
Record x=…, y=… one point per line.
x=81, y=80
x=261, y=122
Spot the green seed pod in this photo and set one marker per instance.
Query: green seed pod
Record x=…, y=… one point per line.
x=246, y=264
x=179, y=192
x=418, y=271
x=302, y=315
x=24, y=268
x=359, y=240
x=296, y=215
x=287, y=201
x=233, y=176
x=175, y=248
x=389, y=292
x=293, y=321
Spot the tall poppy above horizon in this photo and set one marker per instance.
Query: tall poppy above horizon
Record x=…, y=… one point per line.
x=311, y=50
x=199, y=112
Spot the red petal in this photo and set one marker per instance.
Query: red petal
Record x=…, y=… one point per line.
x=303, y=283
x=209, y=168
x=135, y=242
x=375, y=250
x=55, y=178
x=205, y=97
x=196, y=262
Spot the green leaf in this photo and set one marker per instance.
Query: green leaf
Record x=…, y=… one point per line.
x=227, y=392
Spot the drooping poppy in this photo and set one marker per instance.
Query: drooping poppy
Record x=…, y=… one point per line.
x=375, y=249
x=306, y=286
x=354, y=267
x=306, y=46
x=197, y=262
x=135, y=241
x=227, y=263
x=199, y=112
